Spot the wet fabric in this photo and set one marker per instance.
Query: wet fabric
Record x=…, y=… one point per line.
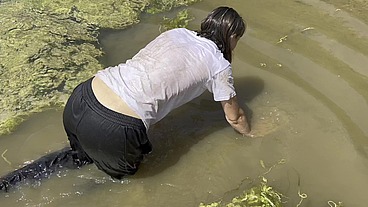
x=113, y=141
x=40, y=168
x=173, y=69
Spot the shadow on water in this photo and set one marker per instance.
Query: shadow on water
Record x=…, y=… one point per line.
x=173, y=136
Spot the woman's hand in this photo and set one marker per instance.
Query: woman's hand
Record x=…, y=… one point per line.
x=235, y=116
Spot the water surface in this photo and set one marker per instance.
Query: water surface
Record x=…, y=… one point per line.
x=301, y=72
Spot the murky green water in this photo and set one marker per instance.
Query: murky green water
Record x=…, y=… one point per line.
x=301, y=69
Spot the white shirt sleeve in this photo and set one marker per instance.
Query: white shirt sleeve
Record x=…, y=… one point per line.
x=222, y=85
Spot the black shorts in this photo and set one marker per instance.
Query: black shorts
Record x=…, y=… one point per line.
x=113, y=141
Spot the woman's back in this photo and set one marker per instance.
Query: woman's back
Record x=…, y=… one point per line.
x=170, y=71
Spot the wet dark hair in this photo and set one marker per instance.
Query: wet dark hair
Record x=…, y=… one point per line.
x=220, y=25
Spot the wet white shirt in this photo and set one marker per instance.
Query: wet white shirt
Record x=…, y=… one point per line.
x=170, y=71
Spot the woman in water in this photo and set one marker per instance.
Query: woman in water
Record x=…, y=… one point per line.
x=107, y=117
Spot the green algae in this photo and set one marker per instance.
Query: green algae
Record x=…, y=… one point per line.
x=43, y=56
x=181, y=20
x=104, y=14
x=48, y=47
x=158, y=6
x=262, y=195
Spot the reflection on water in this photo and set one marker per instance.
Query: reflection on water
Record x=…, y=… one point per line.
x=301, y=73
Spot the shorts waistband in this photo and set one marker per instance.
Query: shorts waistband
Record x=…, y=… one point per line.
x=105, y=112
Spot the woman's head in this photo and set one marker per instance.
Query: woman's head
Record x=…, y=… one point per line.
x=224, y=26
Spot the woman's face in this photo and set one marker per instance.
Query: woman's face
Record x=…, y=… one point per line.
x=233, y=42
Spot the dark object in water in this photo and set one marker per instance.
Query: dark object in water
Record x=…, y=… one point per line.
x=42, y=168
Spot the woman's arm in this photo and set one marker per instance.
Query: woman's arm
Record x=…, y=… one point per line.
x=236, y=116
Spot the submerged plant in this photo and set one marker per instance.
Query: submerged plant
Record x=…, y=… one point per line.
x=157, y=6
x=181, y=20
x=262, y=195
x=10, y=124
x=333, y=204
